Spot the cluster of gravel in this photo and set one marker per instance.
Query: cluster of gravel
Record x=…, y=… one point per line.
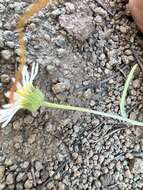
x=85, y=50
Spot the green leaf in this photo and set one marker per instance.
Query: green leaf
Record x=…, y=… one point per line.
x=124, y=94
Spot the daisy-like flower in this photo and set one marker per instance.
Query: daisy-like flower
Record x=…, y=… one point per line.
x=26, y=96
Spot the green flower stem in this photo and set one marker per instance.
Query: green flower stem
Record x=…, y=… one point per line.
x=86, y=110
x=124, y=94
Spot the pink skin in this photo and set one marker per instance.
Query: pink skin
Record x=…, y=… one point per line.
x=136, y=8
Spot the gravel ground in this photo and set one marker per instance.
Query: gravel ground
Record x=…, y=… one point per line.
x=85, y=49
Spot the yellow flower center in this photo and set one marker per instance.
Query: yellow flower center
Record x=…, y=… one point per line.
x=25, y=90
x=32, y=98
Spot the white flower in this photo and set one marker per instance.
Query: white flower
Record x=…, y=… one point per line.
x=26, y=96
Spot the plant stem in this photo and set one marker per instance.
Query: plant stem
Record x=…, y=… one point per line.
x=86, y=110
x=124, y=94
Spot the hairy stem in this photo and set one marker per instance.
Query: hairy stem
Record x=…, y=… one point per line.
x=86, y=110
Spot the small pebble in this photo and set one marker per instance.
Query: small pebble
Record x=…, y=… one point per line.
x=10, y=179
x=59, y=88
x=38, y=166
x=28, y=184
x=6, y=54
x=61, y=186
x=2, y=171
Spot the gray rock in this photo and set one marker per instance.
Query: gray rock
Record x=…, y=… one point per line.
x=19, y=186
x=50, y=69
x=133, y=115
x=38, y=166
x=124, y=29
x=1, y=39
x=32, y=138
x=57, y=176
x=69, y=7
x=37, y=174
x=106, y=180
x=47, y=37
x=8, y=35
x=98, y=184
x=2, y=186
x=11, y=187
x=138, y=166
x=6, y=54
x=56, y=13
x=78, y=25
x=88, y=94
x=75, y=155
x=13, y=167
x=61, y=186
x=20, y=177
x=5, y=78
x=10, y=44
x=8, y=162
x=1, y=43
x=50, y=185
x=136, y=83
x=10, y=179
x=28, y=184
x=98, y=20
x=60, y=41
x=28, y=119
x=2, y=8
x=17, y=124
x=18, y=6
x=59, y=88
x=61, y=52
x=24, y=165
x=100, y=11
x=2, y=171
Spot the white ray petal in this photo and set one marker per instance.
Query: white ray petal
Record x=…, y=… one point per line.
x=7, y=106
x=3, y=119
x=9, y=117
x=8, y=120
x=6, y=112
x=27, y=76
x=13, y=79
x=7, y=94
x=34, y=71
x=24, y=82
x=19, y=86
